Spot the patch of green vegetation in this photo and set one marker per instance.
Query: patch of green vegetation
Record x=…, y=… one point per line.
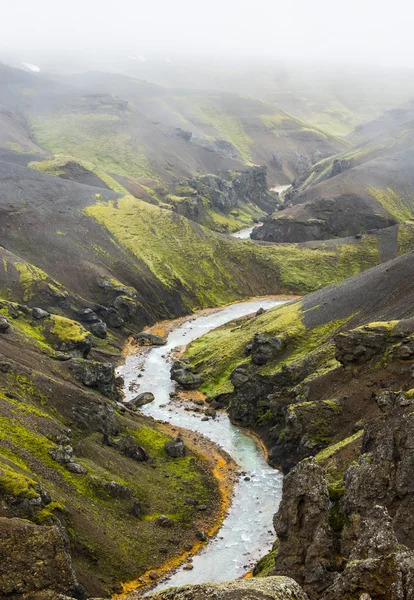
x=266, y=564
x=57, y=165
x=30, y=276
x=67, y=330
x=405, y=237
x=219, y=352
x=227, y=127
x=93, y=137
x=16, y=484
x=334, y=448
x=398, y=207
x=14, y=146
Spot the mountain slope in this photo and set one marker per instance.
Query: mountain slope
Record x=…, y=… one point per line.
x=279, y=372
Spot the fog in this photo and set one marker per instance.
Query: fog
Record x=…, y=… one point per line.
x=356, y=31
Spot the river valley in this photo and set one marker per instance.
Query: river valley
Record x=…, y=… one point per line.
x=247, y=531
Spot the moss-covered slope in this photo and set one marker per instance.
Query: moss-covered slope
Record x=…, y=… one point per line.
x=279, y=371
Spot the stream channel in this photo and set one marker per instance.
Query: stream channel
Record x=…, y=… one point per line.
x=247, y=531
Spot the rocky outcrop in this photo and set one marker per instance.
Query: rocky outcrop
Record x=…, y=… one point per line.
x=354, y=537
x=175, y=448
x=360, y=345
x=100, y=376
x=128, y=446
x=35, y=563
x=323, y=219
x=269, y=588
x=225, y=193
x=150, y=339
x=264, y=348
x=184, y=375
x=302, y=526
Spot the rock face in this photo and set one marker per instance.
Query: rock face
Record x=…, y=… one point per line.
x=354, y=537
x=130, y=447
x=269, y=588
x=35, y=563
x=224, y=193
x=323, y=219
x=96, y=375
x=360, y=345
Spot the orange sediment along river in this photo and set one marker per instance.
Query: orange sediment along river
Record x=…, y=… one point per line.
x=247, y=530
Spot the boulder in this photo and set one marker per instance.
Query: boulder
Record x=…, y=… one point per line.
x=141, y=400
x=62, y=454
x=39, y=313
x=164, y=521
x=35, y=562
x=184, y=376
x=4, y=324
x=76, y=468
x=87, y=315
x=175, y=448
x=128, y=446
x=264, y=588
x=99, y=329
x=359, y=345
x=150, y=339
x=263, y=348
x=117, y=490
x=96, y=415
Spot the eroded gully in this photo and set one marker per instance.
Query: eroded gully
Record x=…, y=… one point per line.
x=247, y=531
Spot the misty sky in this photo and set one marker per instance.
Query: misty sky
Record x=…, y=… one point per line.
x=368, y=31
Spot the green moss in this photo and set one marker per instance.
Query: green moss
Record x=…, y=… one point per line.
x=14, y=146
x=67, y=330
x=405, y=237
x=334, y=448
x=227, y=127
x=56, y=167
x=266, y=564
x=29, y=277
x=16, y=484
x=96, y=138
x=398, y=207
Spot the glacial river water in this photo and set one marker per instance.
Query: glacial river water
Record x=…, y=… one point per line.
x=247, y=531
x=244, y=234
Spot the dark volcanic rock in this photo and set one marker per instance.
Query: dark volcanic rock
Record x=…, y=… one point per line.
x=39, y=313
x=35, y=562
x=355, y=537
x=96, y=415
x=99, y=329
x=184, y=376
x=175, y=448
x=150, y=339
x=141, y=400
x=264, y=348
x=96, y=375
x=130, y=447
x=4, y=324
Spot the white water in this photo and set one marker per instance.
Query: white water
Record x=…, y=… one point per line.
x=247, y=531
x=245, y=233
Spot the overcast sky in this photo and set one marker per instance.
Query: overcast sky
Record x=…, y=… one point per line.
x=370, y=31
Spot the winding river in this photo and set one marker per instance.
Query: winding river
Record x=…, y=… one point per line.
x=244, y=234
x=247, y=531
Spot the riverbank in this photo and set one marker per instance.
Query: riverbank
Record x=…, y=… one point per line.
x=225, y=472
x=246, y=531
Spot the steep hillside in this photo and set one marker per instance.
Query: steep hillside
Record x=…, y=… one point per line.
x=373, y=195
x=69, y=455
x=279, y=372
x=133, y=129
